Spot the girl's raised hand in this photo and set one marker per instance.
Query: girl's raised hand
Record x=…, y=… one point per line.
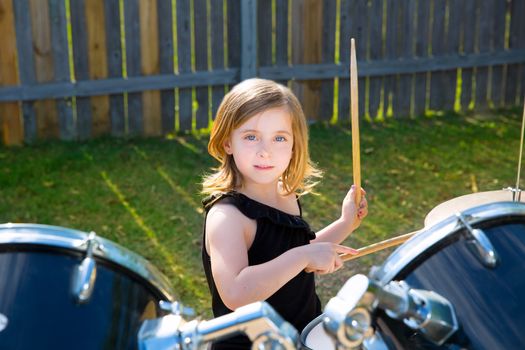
x=350, y=213
x=324, y=257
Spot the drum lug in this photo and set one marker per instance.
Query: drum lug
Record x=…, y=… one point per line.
x=85, y=274
x=479, y=244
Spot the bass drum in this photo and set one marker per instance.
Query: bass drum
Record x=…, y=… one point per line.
x=489, y=301
x=38, y=306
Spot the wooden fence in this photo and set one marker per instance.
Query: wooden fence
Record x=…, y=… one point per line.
x=76, y=69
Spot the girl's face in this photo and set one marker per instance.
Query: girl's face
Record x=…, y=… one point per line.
x=262, y=146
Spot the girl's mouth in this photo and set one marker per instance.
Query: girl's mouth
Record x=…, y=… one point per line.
x=263, y=167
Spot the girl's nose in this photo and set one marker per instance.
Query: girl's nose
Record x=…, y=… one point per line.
x=262, y=152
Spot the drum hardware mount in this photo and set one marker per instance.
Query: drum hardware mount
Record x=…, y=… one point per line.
x=265, y=328
x=422, y=310
x=86, y=272
x=516, y=193
x=479, y=244
x=348, y=315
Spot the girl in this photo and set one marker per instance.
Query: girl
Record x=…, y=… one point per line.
x=256, y=245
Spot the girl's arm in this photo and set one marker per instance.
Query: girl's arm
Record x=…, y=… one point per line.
x=351, y=217
x=229, y=234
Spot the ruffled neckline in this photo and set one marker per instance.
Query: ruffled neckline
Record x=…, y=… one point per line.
x=256, y=210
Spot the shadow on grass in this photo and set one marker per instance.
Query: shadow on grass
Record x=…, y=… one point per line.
x=145, y=194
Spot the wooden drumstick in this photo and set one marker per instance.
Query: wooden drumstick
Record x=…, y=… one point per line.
x=437, y=214
x=356, y=161
x=391, y=242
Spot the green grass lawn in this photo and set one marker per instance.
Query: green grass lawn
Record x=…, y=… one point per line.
x=144, y=194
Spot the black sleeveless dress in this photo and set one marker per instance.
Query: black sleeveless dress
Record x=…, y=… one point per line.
x=277, y=232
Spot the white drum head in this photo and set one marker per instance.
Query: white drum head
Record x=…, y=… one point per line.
x=318, y=339
x=462, y=203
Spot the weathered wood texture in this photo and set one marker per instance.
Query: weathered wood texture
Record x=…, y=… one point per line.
x=10, y=113
x=152, y=67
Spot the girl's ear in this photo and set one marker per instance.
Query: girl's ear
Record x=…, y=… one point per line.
x=228, y=147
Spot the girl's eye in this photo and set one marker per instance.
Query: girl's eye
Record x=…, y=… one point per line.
x=280, y=138
x=250, y=137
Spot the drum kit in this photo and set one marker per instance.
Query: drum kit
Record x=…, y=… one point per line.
x=456, y=284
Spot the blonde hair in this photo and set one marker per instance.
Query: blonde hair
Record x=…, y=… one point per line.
x=244, y=101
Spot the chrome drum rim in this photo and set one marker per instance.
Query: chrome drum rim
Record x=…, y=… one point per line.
x=75, y=240
x=429, y=237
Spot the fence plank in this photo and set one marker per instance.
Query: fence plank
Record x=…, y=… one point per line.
x=375, y=107
x=521, y=77
x=497, y=88
x=217, y=50
x=346, y=19
x=437, y=87
x=11, y=127
x=354, y=24
x=149, y=52
x=112, y=18
x=133, y=65
x=46, y=113
x=405, y=37
x=202, y=115
x=81, y=64
x=184, y=60
x=98, y=64
x=166, y=54
x=421, y=51
x=326, y=98
x=445, y=41
x=449, y=78
x=392, y=44
x=26, y=66
x=485, y=33
x=281, y=34
x=469, y=30
x=59, y=42
x=306, y=49
x=264, y=32
x=234, y=28
x=248, y=39
x=513, y=87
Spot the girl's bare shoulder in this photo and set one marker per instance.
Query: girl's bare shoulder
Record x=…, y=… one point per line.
x=225, y=222
x=225, y=212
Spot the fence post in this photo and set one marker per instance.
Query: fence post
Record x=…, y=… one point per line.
x=248, y=39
